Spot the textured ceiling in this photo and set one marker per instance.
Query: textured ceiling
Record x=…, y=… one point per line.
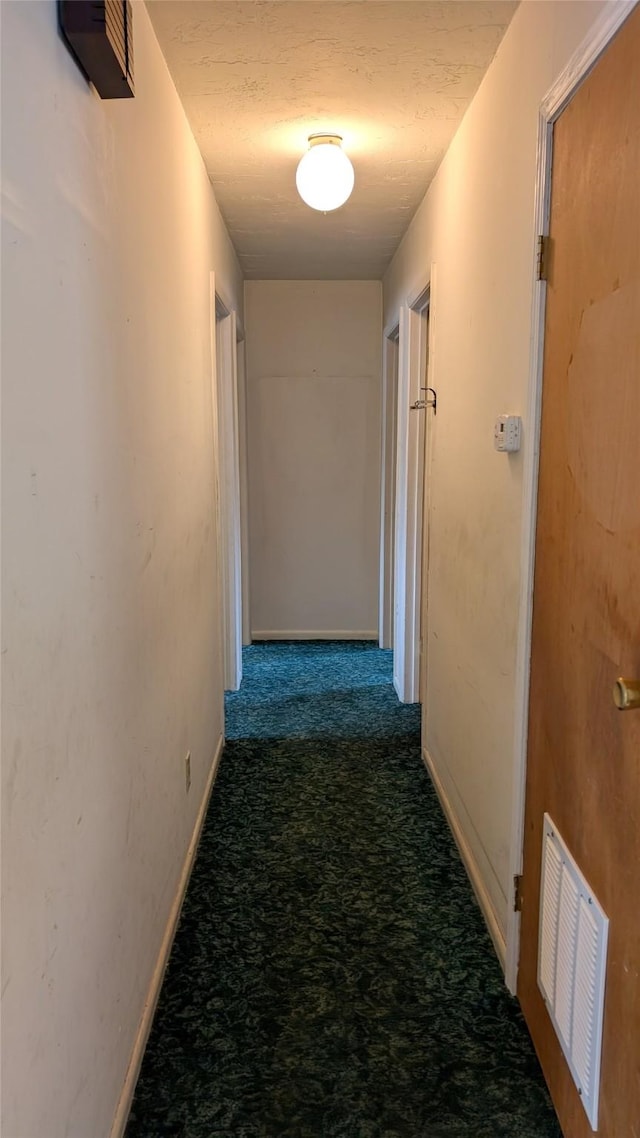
x=256, y=78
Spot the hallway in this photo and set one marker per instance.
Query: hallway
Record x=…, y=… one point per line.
x=332, y=975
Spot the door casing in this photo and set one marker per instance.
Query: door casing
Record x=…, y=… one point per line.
x=413, y=333
x=229, y=506
x=243, y=447
x=388, y=484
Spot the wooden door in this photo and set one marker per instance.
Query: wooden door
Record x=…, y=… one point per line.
x=584, y=754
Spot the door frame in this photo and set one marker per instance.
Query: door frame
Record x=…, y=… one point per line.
x=412, y=356
x=389, y=432
x=427, y=460
x=243, y=460
x=225, y=336
x=555, y=101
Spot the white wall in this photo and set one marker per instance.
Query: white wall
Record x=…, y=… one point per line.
x=476, y=225
x=111, y=637
x=313, y=390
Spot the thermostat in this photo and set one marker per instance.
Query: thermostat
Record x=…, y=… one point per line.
x=506, y=433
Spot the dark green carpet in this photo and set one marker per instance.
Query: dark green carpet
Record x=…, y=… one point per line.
x=332, y=976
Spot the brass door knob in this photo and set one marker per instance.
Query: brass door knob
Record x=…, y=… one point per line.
x=626, y=694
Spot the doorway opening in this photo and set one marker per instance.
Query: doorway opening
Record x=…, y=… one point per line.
x=388, y=485
x=409, y=496
x=231, y=444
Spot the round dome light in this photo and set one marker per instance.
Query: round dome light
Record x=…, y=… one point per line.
x=325, y=175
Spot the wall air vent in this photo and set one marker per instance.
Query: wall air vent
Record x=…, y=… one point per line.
x=99, y=34
x=572, y=953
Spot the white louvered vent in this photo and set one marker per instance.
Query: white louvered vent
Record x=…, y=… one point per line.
x=572, y=953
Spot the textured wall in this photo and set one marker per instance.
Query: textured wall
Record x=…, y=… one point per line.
x=476, y=224
x=111, y=638
x=313, y=367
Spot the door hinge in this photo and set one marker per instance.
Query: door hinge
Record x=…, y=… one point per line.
x=517, y=893
x=542, y=261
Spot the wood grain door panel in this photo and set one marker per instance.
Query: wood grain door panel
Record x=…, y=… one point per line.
x=583, y=754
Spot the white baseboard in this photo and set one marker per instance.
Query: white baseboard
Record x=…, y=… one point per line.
x=307, y=634
x=470, y=863
x=148, y=1011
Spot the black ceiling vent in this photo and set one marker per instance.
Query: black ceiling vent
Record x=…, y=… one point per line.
x=99, y=34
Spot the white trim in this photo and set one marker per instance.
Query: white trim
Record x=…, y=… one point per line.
x=430, y=426
x=243, y=451
x=388, y=486
x=585, y=57
x=409, y=497
x=223, y=306
x=419, y=298
x=314, y=634
x=557, y=98
x=217, y=582
x=148, y=1011
x=230, y=502
x=470, y=864
x=527, y=556
x=400, y=555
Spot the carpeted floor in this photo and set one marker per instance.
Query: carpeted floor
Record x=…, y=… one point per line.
x=332, y=976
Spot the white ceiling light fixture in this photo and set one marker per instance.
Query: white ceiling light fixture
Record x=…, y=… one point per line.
x=325, y=175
